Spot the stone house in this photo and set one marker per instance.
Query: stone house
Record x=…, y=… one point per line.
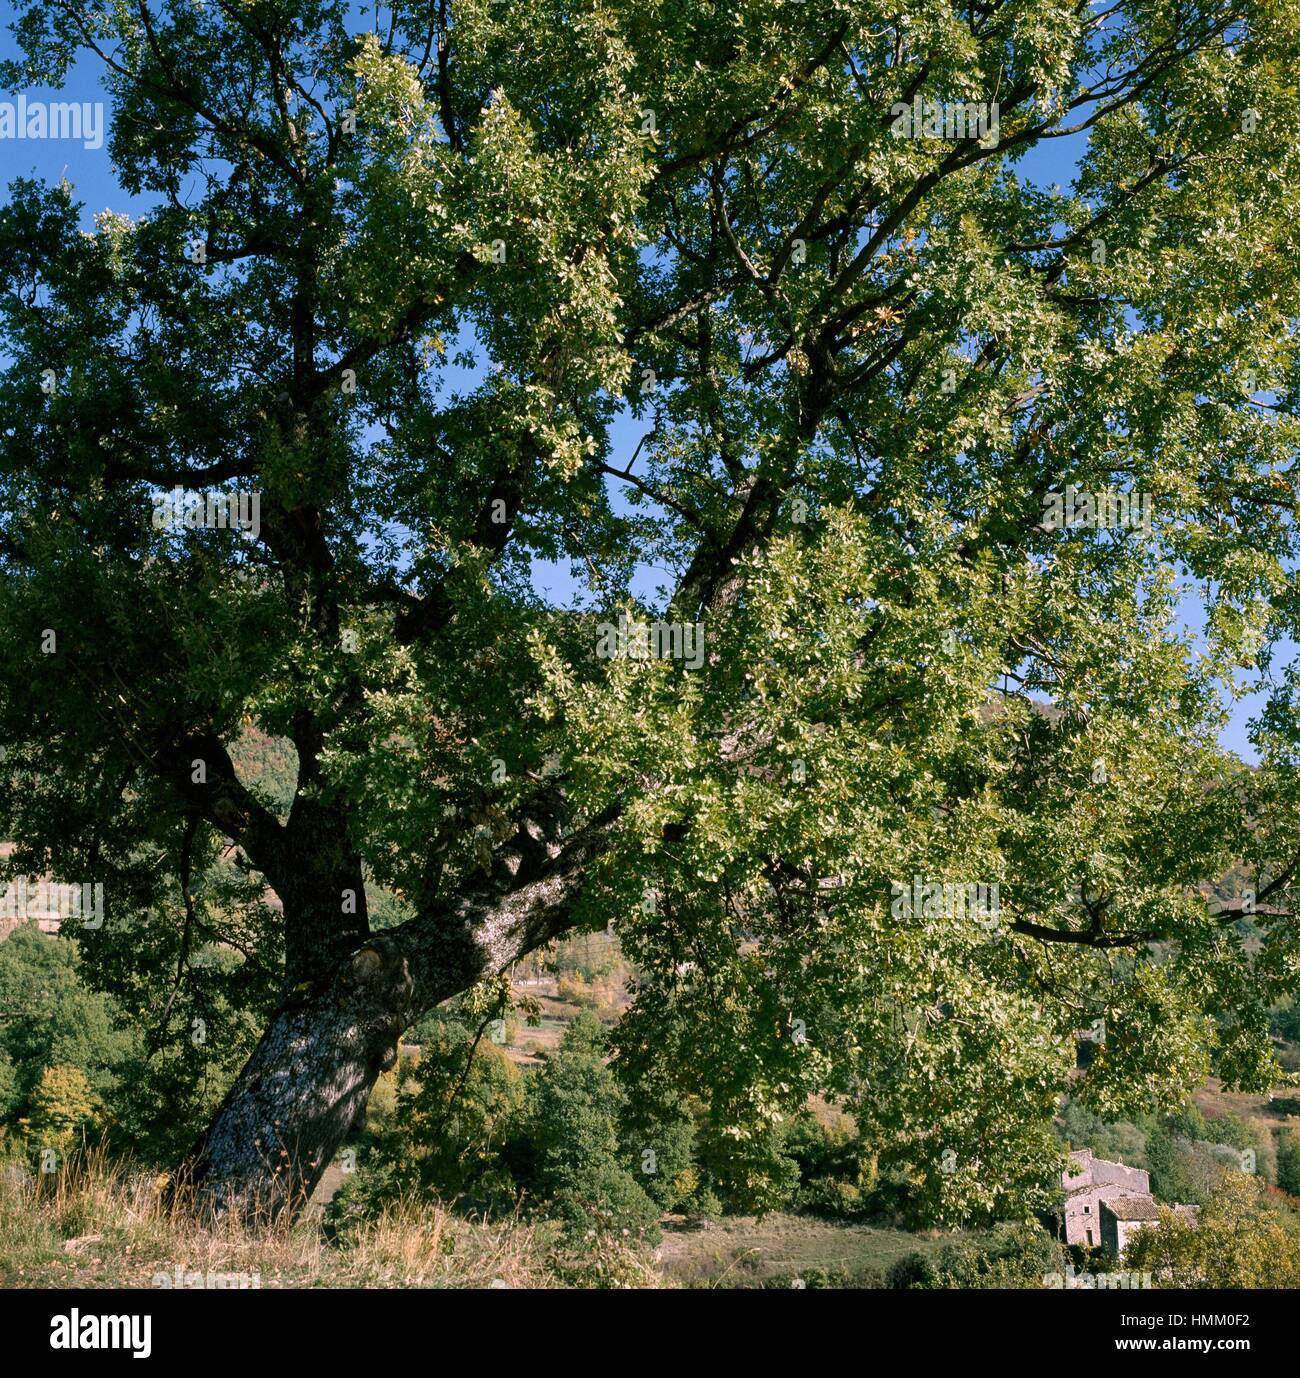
x=1107, y=1203
x=1088, y=1182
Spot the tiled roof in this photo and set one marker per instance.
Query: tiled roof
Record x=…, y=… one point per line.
x=1132, y=1208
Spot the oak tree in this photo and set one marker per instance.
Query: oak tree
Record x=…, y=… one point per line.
x=889, y=476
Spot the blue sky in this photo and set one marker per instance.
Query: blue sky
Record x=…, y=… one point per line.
x=95, y=184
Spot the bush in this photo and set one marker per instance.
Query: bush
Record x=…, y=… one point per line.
x=362, y=1199
x=53, y=1018
x=704, y=1205
x=1230, y=1137
x=64, y=1109
x=1288, y=1160
x=831, y=1199
x=837, y=1173
x=606, y=1200
x=911, y=1271
x=9, y=1093
x=600, y=1260
x=454, y=1115
x=659, y=1144
x=1241, y=1240
x=1285, y=1022
x=753, y=1175
x=1016, y=1256
x=578, y=1161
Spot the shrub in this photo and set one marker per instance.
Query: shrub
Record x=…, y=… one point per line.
x=9, y=1092
x=659, y=1144
x=52, y=1017
x=1288, y=1160
x=455, y=1112
x=64, y=1109
x=831, y=1199
x=1015, y=1256
x=1241, y=1240
x=753, y=1174
x=605, y=1200
x=578, y=1162
x=362, y=1199
x=911, y=1271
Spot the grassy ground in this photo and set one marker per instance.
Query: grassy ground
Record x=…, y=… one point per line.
x=102, y=1227
x=1213, y=1101
x=741, y=1251
x=105, y=1228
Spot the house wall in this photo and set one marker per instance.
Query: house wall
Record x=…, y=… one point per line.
x=1110, y=1234
x=1117, y=1235
x=1083, y=1213
x=1089, y=1182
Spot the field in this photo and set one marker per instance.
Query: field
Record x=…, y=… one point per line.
x=742, y=1251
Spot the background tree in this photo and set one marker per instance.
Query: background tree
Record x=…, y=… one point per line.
x=64, y=1110
x=1288, y=1160
x=49, y=1017
x=415, y=279
x=1241, y=1240
x=578, y=1162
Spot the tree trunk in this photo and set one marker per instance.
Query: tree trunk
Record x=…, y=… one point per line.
x=302, y=1089
x=332, y=1035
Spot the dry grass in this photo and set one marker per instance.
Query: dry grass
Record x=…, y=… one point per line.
x=97, y=1224
x=1213, y=1101
x=741, y=1251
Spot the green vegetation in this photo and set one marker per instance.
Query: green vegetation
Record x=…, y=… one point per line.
x=1186, y=1153
x=52, y=1019
x=526, y=326
x=1020, y=1256
x=1241, y=1240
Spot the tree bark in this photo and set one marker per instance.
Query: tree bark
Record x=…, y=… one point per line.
x=329, y=1040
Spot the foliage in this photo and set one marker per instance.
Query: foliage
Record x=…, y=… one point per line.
x=913, y=1270
x=574, y=1108
x=52, y=1018
x=457, y=1108
x=450, y=276
x=1122, y=1141
x=10, y=1095
x=837, y=1174
x=1242, y=1240
x=1285, y=1021
x=64, y=1109
x=1288, y=1160
x=1019, y=1256
x=1016, y=1256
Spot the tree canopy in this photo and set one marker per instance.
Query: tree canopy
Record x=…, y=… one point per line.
x=659, y=292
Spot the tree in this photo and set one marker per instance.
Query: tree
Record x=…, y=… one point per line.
x=9, y=1093
x=653, y=287
x=455, y=1111
x=51, y=1018
x=64, y=1108
x=1288, y=1160
x=1241, y=1240
x=575, y=1105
